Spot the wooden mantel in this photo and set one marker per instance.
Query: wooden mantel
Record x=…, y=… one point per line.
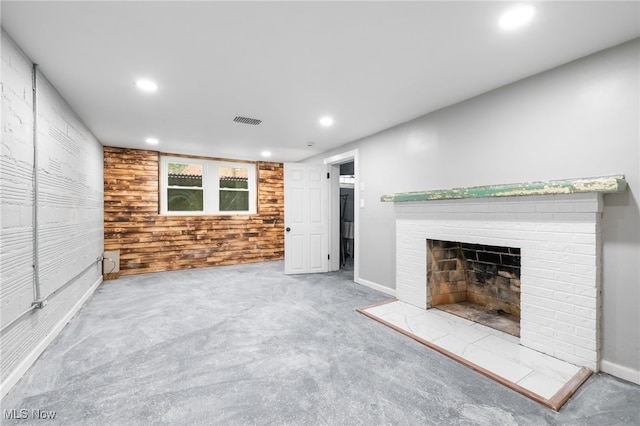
x=602, y=184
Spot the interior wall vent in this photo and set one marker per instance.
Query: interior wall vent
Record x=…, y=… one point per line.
x=245, y=120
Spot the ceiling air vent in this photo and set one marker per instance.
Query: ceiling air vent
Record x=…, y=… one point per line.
x=245, y=120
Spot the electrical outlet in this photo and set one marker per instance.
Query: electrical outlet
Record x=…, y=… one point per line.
x=111, y=262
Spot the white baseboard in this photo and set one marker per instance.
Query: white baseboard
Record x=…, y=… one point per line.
x=376, y=286
x=22, y=368
x=620, y=371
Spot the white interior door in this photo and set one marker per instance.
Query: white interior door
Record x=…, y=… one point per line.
x=306, y=218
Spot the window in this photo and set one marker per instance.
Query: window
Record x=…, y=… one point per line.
x=184, y=188
x=199, y=186
x=234, y=188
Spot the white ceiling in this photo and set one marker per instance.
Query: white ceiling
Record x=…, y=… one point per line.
x=370, y=65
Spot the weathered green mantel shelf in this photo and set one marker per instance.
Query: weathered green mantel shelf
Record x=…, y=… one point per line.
x=603, y=184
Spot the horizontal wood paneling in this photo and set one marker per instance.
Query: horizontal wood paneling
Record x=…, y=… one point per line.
x=150, y=242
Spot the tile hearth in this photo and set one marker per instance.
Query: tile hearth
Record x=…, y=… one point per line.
x=498, y=355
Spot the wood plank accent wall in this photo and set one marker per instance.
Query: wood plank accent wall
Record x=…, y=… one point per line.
x=150, y=242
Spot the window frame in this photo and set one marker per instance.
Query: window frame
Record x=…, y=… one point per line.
x=210, y=185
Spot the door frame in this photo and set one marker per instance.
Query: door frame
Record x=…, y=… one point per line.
x=334, y=197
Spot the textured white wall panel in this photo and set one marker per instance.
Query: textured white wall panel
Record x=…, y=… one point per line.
x=69, y=194
x=70, y=214
x=16, y=185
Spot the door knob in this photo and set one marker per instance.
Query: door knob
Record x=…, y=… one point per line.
x=288, y=229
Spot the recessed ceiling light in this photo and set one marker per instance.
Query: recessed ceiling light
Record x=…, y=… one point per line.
x=146, y=85
x=326, y=121
x=266, y=153
x=516, y=17
x=152, y=141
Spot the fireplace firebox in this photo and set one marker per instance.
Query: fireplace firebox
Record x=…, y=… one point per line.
x=475, y=281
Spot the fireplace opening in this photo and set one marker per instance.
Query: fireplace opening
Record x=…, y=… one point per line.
x=475, y=281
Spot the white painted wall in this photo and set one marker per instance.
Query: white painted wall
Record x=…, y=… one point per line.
x=70, y=214
x=577, y=120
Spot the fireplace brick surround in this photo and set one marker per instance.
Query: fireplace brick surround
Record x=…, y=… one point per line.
x=560, y=240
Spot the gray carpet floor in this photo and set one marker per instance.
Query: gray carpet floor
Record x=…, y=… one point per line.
x=246, y=344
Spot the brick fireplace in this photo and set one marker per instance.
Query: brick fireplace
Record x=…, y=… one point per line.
x=558, y=235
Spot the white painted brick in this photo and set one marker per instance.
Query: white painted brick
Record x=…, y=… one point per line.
x=586, y=354
x=588, y=332
x=555, y=207
x=531, y=311
x=542, y=229
x=551, y=265
x=70, y=202
x=561, y=327
x=579, y=322
x=581, y=325
x=536, y=321
x=537, y=339
x=577, y=217
x=588, y=207
x=577, y=279
x=583, y=239
x=16, y=81
x=573, y=358
x=532, y=217
x=573, y=238
x=586, y=291
x=559, y=238
x=587, y=249
x=548, y=246
x=585, y=312
x=553, y=253
x=581, y=259
x=582, y=301
x=540, y=273
x=588, y=270
x=548, y=284
x=540, y=292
